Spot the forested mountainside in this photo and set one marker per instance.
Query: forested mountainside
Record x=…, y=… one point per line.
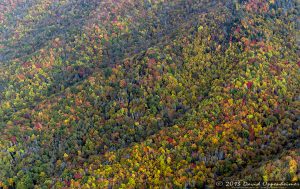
x=148, y=94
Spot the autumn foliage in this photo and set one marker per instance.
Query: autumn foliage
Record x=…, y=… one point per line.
x=148, y=94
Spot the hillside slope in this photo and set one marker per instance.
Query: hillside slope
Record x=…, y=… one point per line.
x=139, y=94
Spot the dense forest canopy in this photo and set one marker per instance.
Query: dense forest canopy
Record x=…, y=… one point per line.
x=148, y=93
